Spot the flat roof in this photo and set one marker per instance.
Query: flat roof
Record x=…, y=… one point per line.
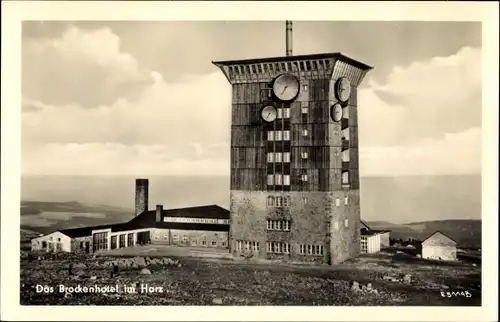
x=295, y=58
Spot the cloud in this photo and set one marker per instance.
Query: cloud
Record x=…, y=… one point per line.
x=423, y=100
x=120, y=159
x=84, y=68
x=457, y=153
x=89, y=108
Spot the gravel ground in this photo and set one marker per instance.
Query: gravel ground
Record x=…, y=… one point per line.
x=191, y=281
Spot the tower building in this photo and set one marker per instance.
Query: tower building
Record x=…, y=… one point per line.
x=294, y=156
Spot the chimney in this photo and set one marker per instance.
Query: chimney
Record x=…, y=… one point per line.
x=159, y=212
x=289, y=38
x=141, y=196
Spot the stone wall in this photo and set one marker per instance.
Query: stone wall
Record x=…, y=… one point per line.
x=76, y=244
x=320, y=220
x=439, y=252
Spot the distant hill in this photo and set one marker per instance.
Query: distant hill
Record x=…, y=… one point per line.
x=467, y=233
x=46, y=216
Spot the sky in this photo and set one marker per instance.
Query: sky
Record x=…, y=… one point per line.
x=143, y=98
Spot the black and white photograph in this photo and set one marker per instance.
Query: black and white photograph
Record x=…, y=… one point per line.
x=289, y=162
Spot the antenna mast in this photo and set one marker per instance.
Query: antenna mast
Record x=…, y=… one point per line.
x=288, y=38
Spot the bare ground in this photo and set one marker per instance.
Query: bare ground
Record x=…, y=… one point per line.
x=242, y=282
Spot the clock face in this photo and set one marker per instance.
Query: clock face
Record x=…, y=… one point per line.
x=343, y=89
x=336, y=112
x=286, y=87
x=268, y=113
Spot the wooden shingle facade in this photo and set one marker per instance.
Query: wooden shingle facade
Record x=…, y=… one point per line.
x=304, y=155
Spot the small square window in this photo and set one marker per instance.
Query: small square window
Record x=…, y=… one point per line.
x=305, y=109
x=305, y=88
x=304, y=155
x=303, y=177
x=304, y=132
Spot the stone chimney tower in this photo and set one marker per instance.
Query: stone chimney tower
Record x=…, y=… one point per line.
x=159, y=213
x=141, y=195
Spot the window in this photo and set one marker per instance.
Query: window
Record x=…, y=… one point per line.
x=280, y=113
x=175, y=237
x=283, y=225
x=193, y=242
x=265, y=68
x=304, y=132
x=305, y=109
x=309, y=250
x=304, y=155
x=185, y=238
x=278, y=248
x=269, y=225
x=337, y=202
x=346, y=222
x=270, y=157
x=270, y=179
x=114, y=242
x=336, y=225
x=346, y=200
x=286, y=156
x=204, y=243
x=286, y=113
x=286, y=135
x=81, y=245
x=277, y=157
x=305, y=88
x=286, y=180
x=270, y=135
x=303, y=177
x=278, y=135
x=130, y=239
x=304, y=200
x=223, y=244
x=270, y=201
x=122, y=241
x=286, y=201
x=279, y=201
x=214, y=243
x=58, y=239
x=277, y=179
x=345, y=177
x=302, y=249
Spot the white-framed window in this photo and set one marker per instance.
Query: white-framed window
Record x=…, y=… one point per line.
x=346, y=156
x=304, y=200
x=346, y=200
x=286, y=201
x=346, y=222
x=214, y=243
x=269, y=247
x=286, y=113
x=286, y=135
x=279, y=201
x=278, y=135
x=270, y=201
x=309, y=249
x=305, y=109
x=270, y=179
x=270, y=135
x=336, y=225
x=278, y=157
x=204, y=243
x=270, y=157
x=302, y=249
x=305, y=88
x=304, y=155
x=286, y=156
x=337, y=202
x=303, y=177
x=286, y=180
x=280, y=113
x=286, y=248
x=278, y=179
x=304, y=132
x=345, y=177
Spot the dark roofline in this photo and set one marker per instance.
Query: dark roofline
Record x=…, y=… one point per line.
x=439, y=231
x=294, y=58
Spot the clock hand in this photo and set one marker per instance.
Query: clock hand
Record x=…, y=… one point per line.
x=268, y=114
x=284, y=89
